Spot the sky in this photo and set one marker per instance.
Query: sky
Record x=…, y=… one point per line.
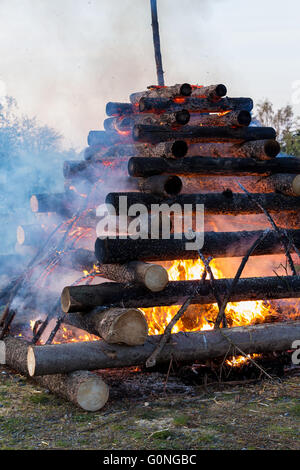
x=63, y=60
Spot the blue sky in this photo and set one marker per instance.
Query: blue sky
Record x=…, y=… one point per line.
x=64, y=59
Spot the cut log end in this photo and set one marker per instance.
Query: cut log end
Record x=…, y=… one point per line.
x=182, y=117
x=92, y=394
x=124, y=326
x=179, y=148
x=31, y=364
x=34, y=205
x=272, y=148
x=156, y=278
x=21, y=234
x=244, y=118
x=296, y=185
x=221, y=90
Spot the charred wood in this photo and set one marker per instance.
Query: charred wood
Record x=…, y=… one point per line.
x=195, y=105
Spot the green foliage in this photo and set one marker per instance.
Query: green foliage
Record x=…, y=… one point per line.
x=285, y=123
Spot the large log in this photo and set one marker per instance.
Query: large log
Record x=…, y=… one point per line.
x=216, y=244
x=105, y=138
x=119, y=109
x=233, y=118
x=85, y=298
x=223, y=203
x=258, y=149
x=115, y=325
x=195, y=105
x=206, y=166
x=182, y=347
x=154, y=134
x=212, y=92
x=152, y=276
x=84, y=389
x=171, y=149
x=167, y=119
x=29, y=235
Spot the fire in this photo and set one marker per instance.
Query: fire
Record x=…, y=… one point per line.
x=202, y=317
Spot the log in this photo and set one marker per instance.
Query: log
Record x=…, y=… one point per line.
x=153, y=276
x=171, y=149
x=104, y=138
x=258, y=149
x=119, y=109
x=49, y=203
x=168, y=92
x=212, y=92
x=216, y=244
x=195, y=105
x=85, y=298
x=29, y=235
x=115, y=325
x=79, y=259
x=233, y=118
x=154, y=134
x=161, y=185
x=182, y=348
x=126, y=123
x=223, y=203
x=84, y=389
x=206, y=166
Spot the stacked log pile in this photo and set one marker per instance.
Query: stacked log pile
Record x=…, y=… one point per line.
x=169, y=145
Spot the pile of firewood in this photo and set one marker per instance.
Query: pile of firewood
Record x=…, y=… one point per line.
x=181, y=144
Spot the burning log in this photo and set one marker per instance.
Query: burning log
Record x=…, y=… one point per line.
x=86, y=297
x=198, y=105
x=206, y=166
x=216, y=244
x=214, y=203
x=182, y=348
x=103, y=138
x=167, y=119
x=258, y=149
x=80, y=259
x=212, y=92
x=62, y=203
x=281, y=183
x=168, y=92
x=29, y=235
x=155, y=134
x=119, y=109
x=115, y=325
x=84, y=389
x=233, y=118
x=161, y=185
x=153, y=276
x=171, y=149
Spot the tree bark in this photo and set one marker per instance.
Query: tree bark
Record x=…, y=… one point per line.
x=152, y=276
x=115, y=325
x=216, y=244
x=258, y=149
x=214, y=203
x=206, y=166
x=171, y=149
x=84, y=389
x=161, y=185
x=183, y=348
x=85, y=298
x=128, y=122
x=195, y=104
x=155, y=134
x=168, y=92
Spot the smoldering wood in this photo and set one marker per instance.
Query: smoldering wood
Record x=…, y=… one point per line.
x=152, y=276
x=83, y=388
x=223, y=203
x=233, y=118
x=64, y=204
x=216, y=244
x=195, y=105
x=258, y=149
x=171, y=149
x=154, y=134
x=161, y=185
x=167, y=92
x=32, y=234
x=212, y=92
x=86, y=297
x=115, y=325
x=182, y=347
x=95, y=151
x=207, y=166
x=104, y=138
x=119, y=109
x=126, y=123
x=79, y=259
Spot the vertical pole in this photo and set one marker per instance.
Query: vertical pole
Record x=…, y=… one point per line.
x=156, y=42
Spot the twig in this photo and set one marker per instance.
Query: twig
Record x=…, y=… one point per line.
x=151, y=361
x=282, y=233
x=222, y=309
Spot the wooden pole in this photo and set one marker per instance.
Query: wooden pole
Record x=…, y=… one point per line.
x=156, y=42
x=182, y=347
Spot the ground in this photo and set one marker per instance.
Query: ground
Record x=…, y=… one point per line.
x=260, y=415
